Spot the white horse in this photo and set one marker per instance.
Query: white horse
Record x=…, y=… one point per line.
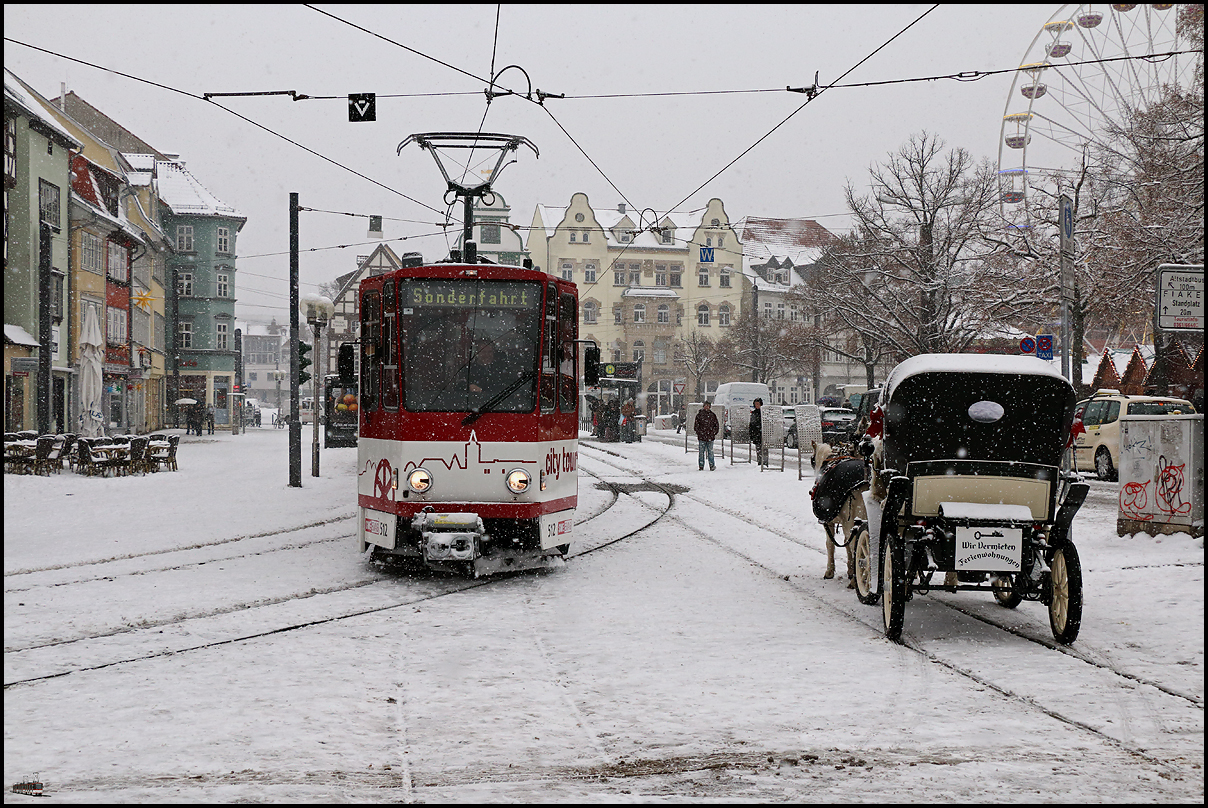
x=853, y=509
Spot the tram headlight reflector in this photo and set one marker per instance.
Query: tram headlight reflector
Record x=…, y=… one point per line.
x=419, y=481
x=518, y=481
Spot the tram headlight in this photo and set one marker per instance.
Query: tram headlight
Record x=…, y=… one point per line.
x=419, y=481
x=518, y=481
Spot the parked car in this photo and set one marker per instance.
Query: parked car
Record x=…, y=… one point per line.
x=789, y=414
x=837, y=424
x=1099, y=446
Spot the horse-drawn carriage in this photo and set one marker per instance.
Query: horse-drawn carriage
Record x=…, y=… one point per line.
x=965, y=489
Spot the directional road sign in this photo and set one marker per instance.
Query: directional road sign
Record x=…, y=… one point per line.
x=1180, y=297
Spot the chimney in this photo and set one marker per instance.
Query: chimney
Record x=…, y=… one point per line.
x=621, y=208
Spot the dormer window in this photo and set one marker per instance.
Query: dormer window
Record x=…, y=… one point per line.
x=668, y=235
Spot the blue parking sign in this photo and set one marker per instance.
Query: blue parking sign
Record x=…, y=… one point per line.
x=1044, y=346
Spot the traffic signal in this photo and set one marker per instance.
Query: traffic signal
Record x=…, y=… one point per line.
x=303, y=362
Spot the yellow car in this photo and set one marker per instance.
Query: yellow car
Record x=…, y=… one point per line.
x=1099, y=446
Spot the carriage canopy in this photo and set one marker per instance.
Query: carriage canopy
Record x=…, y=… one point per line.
x=976, y=407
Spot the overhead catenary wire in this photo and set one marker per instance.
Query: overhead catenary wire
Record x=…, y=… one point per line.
x=232, y=112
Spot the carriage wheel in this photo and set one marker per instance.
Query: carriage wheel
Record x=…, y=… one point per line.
x=864, y=563
x=1065, y=601
x=893, y=588
x=1005, y=591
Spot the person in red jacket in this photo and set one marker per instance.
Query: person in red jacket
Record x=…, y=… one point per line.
x=706, y=427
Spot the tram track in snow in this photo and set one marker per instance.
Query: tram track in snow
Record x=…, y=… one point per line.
x=915, y=644
x=442, y=587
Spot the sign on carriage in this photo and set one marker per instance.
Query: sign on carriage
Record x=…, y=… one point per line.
x=1180, y=297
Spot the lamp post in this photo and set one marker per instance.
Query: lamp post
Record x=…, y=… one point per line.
x=317, y=310
x=278, y=375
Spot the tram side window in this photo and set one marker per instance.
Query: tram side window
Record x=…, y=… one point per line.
x=549, y=350
x=371, y=356
x=389, y=348
x=568, y=377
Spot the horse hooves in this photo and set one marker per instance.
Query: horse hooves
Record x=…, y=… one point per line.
x=851, y=583
x=829, y=574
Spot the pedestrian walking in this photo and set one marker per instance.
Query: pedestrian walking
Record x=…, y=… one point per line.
x=209, y=421
x=680, y=419
x=756, y=431
x=706, y=427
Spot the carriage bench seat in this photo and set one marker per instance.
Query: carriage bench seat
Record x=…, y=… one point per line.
x=1019, y=484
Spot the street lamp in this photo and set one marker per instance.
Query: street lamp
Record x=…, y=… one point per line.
x=317, y=310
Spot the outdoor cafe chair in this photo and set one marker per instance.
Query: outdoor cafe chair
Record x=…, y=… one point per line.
x=138, y=455
x=173, y=444
x=55, y=461
x=17, y=459
x=84, y=457
x=42, y=449
x=27, y=434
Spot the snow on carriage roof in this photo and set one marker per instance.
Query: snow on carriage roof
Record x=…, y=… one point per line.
x=967, y=363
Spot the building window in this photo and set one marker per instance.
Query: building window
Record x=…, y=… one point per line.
x=224, y=285
x=721, y=241
x=723, y=277
x=660, y=275
x=624, y=240
x=793, y=313
x=616, y=315
x=591, y=313
x=57, y=281
x=702, y=314
x=568, y=272
x=90, y=253
x=767, y=310
x=251, y=377
x=635, y=274
x=703, y=277
x=589, y=273
x=616, y=354
x=618, y=277
x=489, y=233
x=664, y=314
x=585, y=232
x=186, y=335
x=668, y=235
x=675, y=279
x=708, y=241
x=660, y=355
x=779, y=311
x=184, y=237
x=221, y=332
x=116, y=332
x=572, y=237
x=118, y=269
x=639, y=350
x=715, y=223
x=723, y=315
x=639, y=312
x=224, y=240
x=184, y=286
x=48, y=202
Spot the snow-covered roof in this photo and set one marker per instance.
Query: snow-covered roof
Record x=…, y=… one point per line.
x=968, y=363
x=803, y=241
x=609, y=218
x=185, y=194
x=24, y=96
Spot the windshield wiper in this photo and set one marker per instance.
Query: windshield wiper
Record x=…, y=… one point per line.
x=507, y=391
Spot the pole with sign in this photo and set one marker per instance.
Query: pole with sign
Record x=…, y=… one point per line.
x=1067, y=279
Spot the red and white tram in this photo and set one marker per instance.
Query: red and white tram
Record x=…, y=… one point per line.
x=469, y=403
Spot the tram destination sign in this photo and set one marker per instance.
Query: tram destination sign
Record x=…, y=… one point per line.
x=1180, y=297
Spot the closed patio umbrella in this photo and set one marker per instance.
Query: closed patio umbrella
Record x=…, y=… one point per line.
x=92, y=357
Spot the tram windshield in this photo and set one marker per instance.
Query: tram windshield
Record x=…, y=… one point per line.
x=469, y=346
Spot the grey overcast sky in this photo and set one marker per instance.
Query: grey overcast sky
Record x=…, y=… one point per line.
x=656, y=150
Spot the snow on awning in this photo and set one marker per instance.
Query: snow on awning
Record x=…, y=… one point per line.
x=18, y=336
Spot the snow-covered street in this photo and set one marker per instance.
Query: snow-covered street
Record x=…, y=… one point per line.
x=212, y=635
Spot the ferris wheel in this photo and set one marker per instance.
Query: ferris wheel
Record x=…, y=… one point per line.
x=1066, y=95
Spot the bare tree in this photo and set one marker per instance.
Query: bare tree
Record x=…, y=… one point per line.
x=761, y=348
x=698, y=354
x=916, y=274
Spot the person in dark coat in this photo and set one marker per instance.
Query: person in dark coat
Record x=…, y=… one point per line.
x=706, y=428
x=756, y=432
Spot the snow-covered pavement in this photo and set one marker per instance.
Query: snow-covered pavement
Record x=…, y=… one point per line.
x=211, y=635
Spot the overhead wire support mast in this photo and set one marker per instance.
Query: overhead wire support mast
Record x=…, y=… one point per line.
x=431, y=141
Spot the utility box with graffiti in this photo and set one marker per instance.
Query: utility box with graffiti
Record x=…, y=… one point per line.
x=1161, y=474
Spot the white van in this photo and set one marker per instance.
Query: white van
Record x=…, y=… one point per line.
x=735, y=399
